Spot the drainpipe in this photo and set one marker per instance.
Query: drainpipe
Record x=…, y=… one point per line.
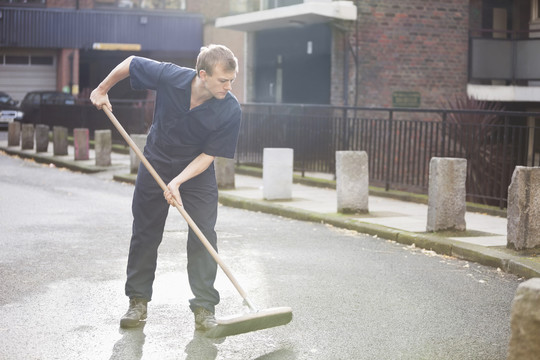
x=357, y=58
x=70, y=57
x=345, y=71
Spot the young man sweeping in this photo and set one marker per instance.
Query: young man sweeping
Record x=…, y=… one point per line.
x=196, y=118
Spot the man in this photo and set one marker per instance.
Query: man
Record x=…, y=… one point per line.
x=196, y=118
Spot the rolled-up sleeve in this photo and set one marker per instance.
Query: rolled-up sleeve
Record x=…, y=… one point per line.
x=144, y=73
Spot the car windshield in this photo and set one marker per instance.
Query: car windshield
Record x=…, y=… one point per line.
x=4, y=98
x=56, y=98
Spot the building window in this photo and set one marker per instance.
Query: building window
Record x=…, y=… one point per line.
x=244, y=6
x=163, y=4
x=41, y=60
x=272, y=4
x=143, y=4
x=26, y=60
x=24, y=2
x=535, y=11
x=16, y=60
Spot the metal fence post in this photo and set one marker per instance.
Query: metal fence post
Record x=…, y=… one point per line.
x=443, y=135
x=389, y=150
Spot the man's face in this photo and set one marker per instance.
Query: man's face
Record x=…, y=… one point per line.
x=220, y=82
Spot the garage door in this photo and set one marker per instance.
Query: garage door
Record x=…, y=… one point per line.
x=23, y=72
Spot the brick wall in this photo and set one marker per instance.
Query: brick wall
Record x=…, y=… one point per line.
x=408, y=45
x=63, y=75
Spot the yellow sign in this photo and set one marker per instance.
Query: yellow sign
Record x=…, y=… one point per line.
x=116, y=46
x=406, y=99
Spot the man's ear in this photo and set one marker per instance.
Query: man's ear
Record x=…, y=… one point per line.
x=202, y=74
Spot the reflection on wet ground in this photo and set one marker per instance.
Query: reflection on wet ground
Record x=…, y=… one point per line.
x=130, y=345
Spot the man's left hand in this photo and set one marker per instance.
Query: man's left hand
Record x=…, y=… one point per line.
x=172, y=194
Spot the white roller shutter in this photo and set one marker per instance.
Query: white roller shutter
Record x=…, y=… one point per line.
x=21, y=72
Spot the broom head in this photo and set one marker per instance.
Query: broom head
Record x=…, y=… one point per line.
x=239, y=324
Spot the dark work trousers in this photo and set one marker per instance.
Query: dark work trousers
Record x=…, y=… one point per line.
x=199, y=197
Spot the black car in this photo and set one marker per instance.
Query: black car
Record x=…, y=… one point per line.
x=33, y=100
x=9, y=111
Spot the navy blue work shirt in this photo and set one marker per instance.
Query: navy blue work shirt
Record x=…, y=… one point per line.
x=178, y=133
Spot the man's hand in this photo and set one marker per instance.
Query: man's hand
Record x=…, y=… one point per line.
x=195, y=167
x=100, y=99
x=172, y=193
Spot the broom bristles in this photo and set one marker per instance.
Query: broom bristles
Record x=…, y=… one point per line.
x=254, y=321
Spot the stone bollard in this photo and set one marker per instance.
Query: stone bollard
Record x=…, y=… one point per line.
x=42, y=138
x=523, y=213
x=224, y=172
x=447, y=194
x=14, y=133
x=277, y=173
x=27, y=137
x=80, y=142
x=352, y=182
x=525, y=322
x=134, y=161
x=60, y=140
x=103, y=147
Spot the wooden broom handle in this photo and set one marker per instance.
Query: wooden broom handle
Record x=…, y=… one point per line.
x=179, y=207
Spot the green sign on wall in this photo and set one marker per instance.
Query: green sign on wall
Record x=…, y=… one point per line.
x=406, y=99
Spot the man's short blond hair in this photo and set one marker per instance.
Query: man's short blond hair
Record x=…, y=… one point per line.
x=212, y=55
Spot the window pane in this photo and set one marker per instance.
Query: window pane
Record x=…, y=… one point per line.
x=244, y=6
x=24, y=2
x=41, y=60
x=17, y=60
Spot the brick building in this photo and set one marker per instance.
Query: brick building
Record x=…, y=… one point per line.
x=366, y=53
x=70, y=45
x=388, y=53
x=412, y=47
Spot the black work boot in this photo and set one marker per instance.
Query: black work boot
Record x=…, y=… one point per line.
x=204, y=319
x=135, y=314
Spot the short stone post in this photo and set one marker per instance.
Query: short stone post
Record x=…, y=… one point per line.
x=277, y=173
x=60, y=140
x=27, y=137
x=42, y=138
x=525, y=322
x=447, y=194
x=80, y=142
x=224, y=172
x=103, y=147
x=14, y=133
x=140, y=141
x=352, y=182
x=523, y=213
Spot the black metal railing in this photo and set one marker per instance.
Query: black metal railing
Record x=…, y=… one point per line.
x=134, y=115
x=399, y=142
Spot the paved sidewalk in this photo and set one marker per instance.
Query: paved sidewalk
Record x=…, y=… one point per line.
x=397, y=220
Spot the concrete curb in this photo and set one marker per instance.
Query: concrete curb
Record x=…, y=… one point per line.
x=127, y=178
x=63, y=162
x=519, y=265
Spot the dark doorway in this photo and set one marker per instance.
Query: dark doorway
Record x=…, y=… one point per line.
x=293, y=65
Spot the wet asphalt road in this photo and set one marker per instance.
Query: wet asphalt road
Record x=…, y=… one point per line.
x=64, y=239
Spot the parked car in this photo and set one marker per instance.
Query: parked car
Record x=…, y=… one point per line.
x=33, y=100
x=9, y=111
